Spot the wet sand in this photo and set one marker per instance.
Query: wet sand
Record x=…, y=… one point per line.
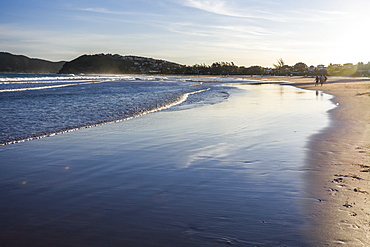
x=339, y=162
x=217, y=175
x=114, y=184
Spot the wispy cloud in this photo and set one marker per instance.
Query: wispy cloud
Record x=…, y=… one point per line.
x=230, y=9
x=246, y=29
x=314, y=15
x=215, y=6
x=115, y=12
x=269, y=11
x=213, y=152
x=231, y=32
x=186, y=28
x=50, y=44
x=99, y=10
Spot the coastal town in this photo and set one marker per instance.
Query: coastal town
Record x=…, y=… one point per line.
x=119, y=64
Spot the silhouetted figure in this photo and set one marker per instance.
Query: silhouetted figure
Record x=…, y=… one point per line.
x=322, y=79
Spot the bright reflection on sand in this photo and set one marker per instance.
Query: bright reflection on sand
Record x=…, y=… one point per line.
x=262, y=119
x=218, y=151
x=271, y=98
x=229, y=173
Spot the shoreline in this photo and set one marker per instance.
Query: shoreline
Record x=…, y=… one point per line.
x=221, y=174
x=336, y=166
x=338, y=158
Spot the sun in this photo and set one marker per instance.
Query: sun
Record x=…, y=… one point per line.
x=351, y=45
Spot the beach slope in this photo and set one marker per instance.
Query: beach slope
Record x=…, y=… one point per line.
x=339, y=161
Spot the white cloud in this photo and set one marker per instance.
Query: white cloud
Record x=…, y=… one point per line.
x=98, y=10
x=109, y=12
x=213, y=152
x=233, y=9
x=246, y=29
x=313, y=15
x=262, y=10
x=213, y=6
x=186, y=28
x=53, y=44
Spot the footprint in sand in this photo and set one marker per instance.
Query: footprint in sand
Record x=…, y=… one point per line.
x=360, y=191
x=347, y=205
x=333, y=192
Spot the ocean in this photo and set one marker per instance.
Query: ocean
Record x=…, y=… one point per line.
x=198, y=161
x=39, y=105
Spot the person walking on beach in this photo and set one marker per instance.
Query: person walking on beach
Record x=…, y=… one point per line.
x=322, y=79
x=317, y=81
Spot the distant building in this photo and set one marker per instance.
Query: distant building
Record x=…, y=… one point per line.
x=269, y=71
x=348, y=66
x=321, y=67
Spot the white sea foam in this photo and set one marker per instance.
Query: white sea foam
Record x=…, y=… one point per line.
x=122, y=97
x=47, y=87
x=66, y=81
x=41, y=79
x=182, y=99
x=73, y=80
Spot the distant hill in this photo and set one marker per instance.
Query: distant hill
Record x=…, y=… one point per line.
x=22, y=64
x=117, y=64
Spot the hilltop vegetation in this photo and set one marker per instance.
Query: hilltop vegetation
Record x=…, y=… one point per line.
x=117, y=64
x=21, y=64
x=349, y=69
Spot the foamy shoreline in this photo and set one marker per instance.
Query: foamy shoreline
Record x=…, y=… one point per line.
x=335, y=175
x=339, y=163
x=221, y=174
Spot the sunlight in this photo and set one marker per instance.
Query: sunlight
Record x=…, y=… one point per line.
x=351, y=46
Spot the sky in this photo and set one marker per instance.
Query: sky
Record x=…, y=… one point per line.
x=246, y=32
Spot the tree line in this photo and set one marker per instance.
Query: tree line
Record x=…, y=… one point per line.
x=278, y=69
x=229, y=68
x=349, y=69
x=223, y=68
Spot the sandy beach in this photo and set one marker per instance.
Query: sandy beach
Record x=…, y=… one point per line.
x=339, y=162
x=239, y=172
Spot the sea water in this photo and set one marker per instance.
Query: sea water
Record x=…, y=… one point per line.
x=39, y=105
x=222, y=166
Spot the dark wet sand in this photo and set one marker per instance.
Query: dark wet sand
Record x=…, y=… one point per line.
x=339, y=159
x=217, y=175
x=90, y=187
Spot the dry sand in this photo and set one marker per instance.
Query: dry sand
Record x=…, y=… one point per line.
x=338, y=184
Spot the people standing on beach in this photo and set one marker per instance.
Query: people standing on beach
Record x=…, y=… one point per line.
x=317, y=81
x=322, y=79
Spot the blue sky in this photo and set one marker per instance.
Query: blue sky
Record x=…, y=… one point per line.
x=246, y=32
